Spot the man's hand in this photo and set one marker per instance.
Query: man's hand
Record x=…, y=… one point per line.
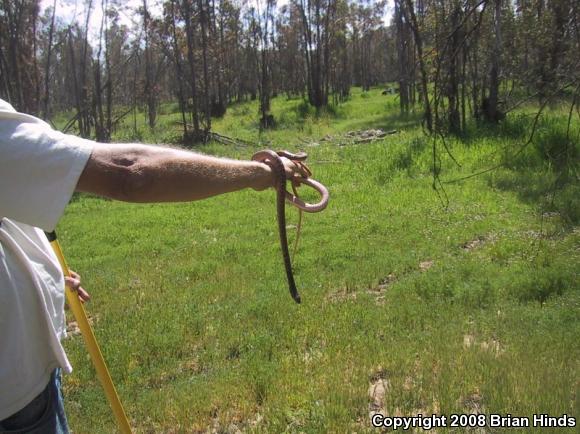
x=74, y=283
x=293, y=171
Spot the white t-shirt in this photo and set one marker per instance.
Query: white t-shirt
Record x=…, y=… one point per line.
x=39, y=170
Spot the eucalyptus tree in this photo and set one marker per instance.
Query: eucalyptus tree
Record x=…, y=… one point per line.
x=174, y=45
x=289, y=51
x=405, y=55
x=317, y=16
x=46, y=92
x=265, y=29
x=19, y=75
x=149, y=82
x=365, y=17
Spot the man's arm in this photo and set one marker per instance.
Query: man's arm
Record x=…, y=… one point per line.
x=143, y=173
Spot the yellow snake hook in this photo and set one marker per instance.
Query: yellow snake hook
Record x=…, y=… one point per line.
x=91, y=342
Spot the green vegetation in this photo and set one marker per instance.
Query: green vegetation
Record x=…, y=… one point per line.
x=458, y=309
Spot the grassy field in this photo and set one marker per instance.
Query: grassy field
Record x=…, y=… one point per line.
x=409, y=306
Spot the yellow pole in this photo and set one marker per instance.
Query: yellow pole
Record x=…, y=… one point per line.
x=91, y=342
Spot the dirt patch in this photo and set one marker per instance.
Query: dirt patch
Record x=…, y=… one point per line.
x=478, y=242
x=378, y=390
x=492, y=346
x=550, y=214
x=473, y=403
x=352, y=137
x=408, y=384
x=470, y=245
x=385, y=282
x=312, y=355
x=341, y=295
x=365, y=136
x=425, y=265
x=190, y=367
x=72, y=326
x=230, y=423
x=468, y=341
x=380, y=290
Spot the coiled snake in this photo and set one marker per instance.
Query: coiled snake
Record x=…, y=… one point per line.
x=274, y=160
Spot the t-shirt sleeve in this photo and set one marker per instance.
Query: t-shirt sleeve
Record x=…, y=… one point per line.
x=39, y=169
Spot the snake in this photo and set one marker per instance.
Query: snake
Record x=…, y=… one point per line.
x=274, y=160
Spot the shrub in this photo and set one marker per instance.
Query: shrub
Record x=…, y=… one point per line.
x=304, y=109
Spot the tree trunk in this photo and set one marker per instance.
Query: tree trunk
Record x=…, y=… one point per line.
x=203, y=18
x=410, y=13
x=402, y=41
x=149, y=90
x=490, y=105
x=187, y=16
x=179, y=72
x=46, y=98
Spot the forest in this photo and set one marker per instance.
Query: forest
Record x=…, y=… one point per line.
x=456, y=61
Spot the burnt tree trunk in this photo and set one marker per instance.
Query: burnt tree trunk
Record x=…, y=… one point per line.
x=46, y=97
x=490, y=104
x=187, y=16
x=412, y=18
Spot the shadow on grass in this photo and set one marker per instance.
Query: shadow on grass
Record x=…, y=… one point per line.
x=514, y=128
x=388, y=122
x=544, y=171
x=554, y=192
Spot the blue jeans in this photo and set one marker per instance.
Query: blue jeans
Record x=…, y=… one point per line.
x=44, y=415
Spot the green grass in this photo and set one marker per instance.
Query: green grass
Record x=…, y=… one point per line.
x=472, y=306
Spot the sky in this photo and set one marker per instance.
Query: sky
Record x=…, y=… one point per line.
x=70, y=11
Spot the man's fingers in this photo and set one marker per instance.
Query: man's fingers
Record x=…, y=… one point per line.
x=83, y=295
x=295, y=169
x=304, y=169
x=74, y=283
x=300, y=172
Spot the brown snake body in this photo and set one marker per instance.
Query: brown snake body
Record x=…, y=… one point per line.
x=274, y=160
